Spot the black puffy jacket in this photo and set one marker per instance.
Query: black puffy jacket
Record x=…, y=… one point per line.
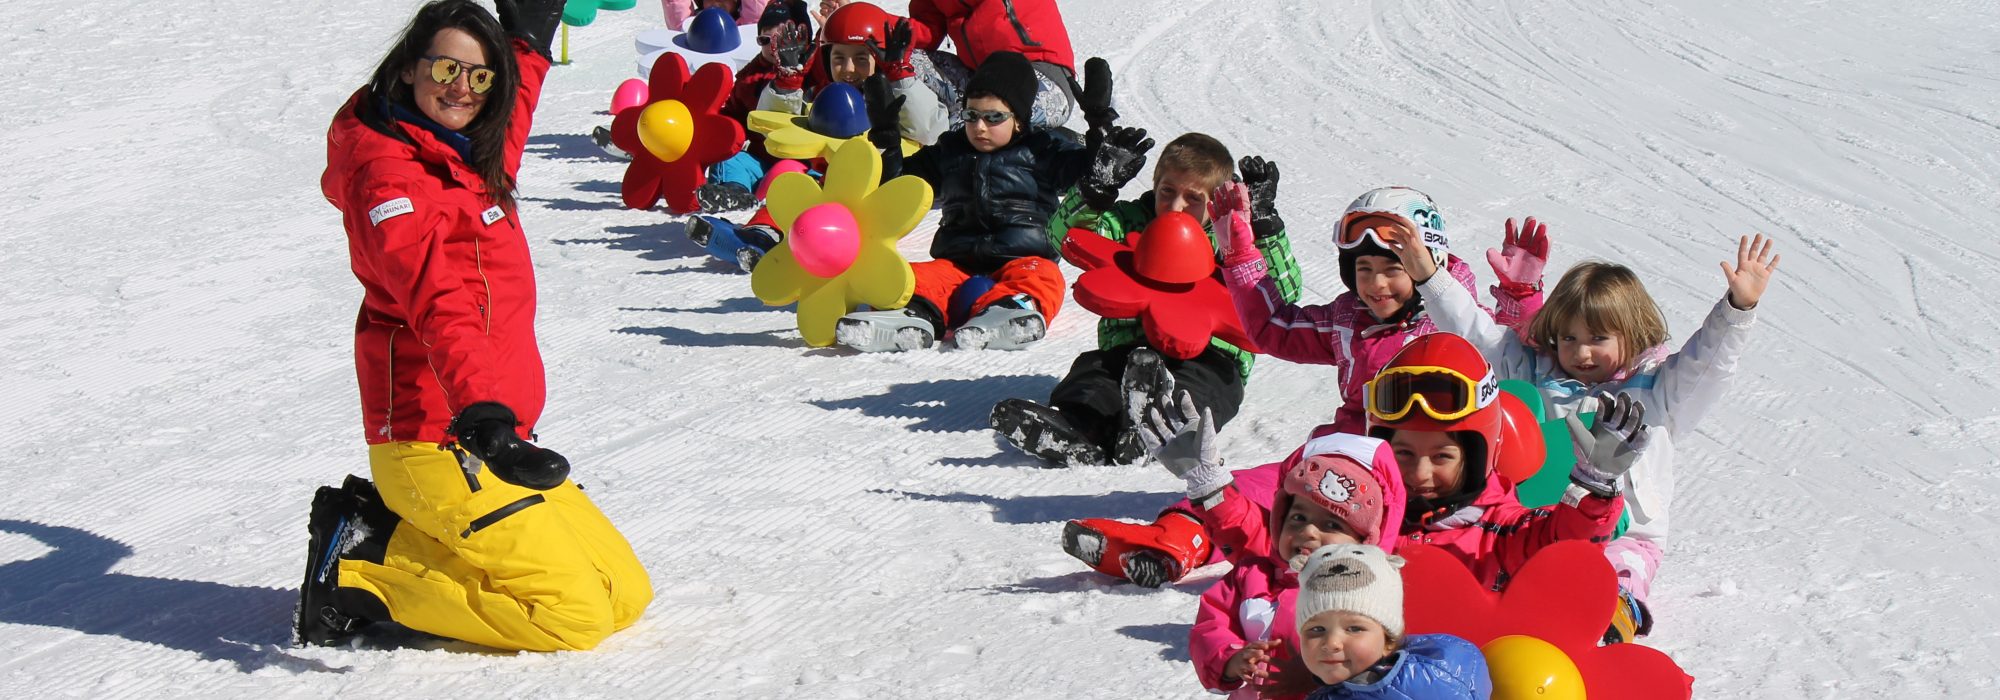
x=996, y=205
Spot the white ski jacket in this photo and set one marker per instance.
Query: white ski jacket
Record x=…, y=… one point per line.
x=1677, y=390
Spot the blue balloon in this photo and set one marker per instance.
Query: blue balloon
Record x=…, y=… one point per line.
x=713, y=31
x=839, y=112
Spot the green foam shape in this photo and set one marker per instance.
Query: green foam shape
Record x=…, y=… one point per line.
x=1546, y=487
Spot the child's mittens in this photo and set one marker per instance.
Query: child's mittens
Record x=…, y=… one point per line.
x=1183, y=439
x=794, y=44
x=1096, y=98
x=1519, y=261
x=894, y=54
x=1260, y=177
x=1607, y=450
x=1115, y=161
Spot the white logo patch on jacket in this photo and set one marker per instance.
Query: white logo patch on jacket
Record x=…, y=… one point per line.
x=390, y=210
x=492, y=215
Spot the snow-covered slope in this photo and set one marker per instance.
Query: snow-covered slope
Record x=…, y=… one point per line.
x=177, y=315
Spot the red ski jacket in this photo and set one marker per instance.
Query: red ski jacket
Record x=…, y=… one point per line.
x=979, y=27
x=448, y=292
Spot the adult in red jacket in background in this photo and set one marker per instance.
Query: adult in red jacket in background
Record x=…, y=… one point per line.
x=468, y=531
x=978, y=28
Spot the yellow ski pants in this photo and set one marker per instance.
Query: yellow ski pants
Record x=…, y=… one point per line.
x=484, y=561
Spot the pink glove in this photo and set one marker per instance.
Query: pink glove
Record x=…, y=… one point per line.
x=1229, y=210
x=1519, y=261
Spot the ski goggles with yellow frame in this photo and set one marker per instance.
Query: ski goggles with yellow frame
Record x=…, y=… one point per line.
x=1440, y=392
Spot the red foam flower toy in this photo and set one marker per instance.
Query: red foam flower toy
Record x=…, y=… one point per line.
x=1163, y=276
x=676, y=134
x=1565, y=595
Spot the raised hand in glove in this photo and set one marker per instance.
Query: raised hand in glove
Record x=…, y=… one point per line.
x=1116, y=160
x=1229, y=217
x=486, y=430
x=1607, y=450
x=1096, y=97
x=1261, y=177
x=1183, y=439
x=885, y=113
x=1519, y=261
x=533, y=21
x=793, y=43
x=894, y=53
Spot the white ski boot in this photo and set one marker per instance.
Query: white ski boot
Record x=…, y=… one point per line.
x=1008, y=325
x=884, y=331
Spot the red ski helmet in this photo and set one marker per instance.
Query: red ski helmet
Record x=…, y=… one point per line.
x=1440, y=383
x=856, y=23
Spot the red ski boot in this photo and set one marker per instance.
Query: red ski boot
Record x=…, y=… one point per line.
x=1148, y=554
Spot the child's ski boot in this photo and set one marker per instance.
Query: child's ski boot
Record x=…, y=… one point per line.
x=885, y=331
x=1629, y=621
x=1145, y=383
x=349, y=522
x=602, y=135
x=1042, y=431
x=724, y=196
x=1009, y=324
x=728, y=242
x=1149, y=555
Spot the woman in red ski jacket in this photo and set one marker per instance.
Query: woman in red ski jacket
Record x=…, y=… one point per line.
x=467, y=531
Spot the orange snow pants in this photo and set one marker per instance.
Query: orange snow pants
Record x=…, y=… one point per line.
x=1039, y=278
x=484, y=561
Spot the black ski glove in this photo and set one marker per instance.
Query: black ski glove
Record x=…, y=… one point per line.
x=794, y=42
x=1096, y=97
x=895, y=50
x=486, y=430
x=1261, y=178
x=1118, y=159
x=533, y=21
x=885, y=112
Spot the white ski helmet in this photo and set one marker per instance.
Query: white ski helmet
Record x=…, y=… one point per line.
x=1401, y=203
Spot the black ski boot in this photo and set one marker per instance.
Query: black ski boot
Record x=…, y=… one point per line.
x=1042, y=431
x=346, y=522
x=1145, y=383
x=717, y=197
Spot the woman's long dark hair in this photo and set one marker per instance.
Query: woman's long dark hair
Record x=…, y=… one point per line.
x=488, y=131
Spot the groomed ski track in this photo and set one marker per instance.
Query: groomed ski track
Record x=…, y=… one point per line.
x=175, y=350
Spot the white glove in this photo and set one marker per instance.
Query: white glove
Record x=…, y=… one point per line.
x=1609, y=449
x=1185, y=444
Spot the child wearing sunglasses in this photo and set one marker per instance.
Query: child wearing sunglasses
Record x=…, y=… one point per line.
x=1602, y=332
x=992, y=281
x=1084, y=421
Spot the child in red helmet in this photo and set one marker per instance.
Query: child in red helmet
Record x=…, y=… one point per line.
x=857, y=41
x=1437, y=403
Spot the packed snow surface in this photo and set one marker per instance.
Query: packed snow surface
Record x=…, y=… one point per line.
x=178, y=313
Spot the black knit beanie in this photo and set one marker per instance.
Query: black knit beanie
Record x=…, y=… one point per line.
x=782, y=11
x=1008, y=76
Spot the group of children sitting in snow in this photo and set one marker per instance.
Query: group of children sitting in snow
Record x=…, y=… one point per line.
x=1414, y=451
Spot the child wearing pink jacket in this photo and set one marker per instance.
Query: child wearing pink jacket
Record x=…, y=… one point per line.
x=1337, y=489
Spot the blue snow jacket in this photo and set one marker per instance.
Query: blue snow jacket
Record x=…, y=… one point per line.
x=1429, y=667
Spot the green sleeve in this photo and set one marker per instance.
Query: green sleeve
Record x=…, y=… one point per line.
x=1072, y=212
x=1283, y=268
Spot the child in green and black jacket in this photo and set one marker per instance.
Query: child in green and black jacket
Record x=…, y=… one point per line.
x=1085, y=420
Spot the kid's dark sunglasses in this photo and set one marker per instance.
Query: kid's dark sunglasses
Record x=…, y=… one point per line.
x=991, y=117
x=445, y=71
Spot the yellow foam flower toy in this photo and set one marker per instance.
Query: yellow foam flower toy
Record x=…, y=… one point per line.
x=836, y=116
x=840, y=240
